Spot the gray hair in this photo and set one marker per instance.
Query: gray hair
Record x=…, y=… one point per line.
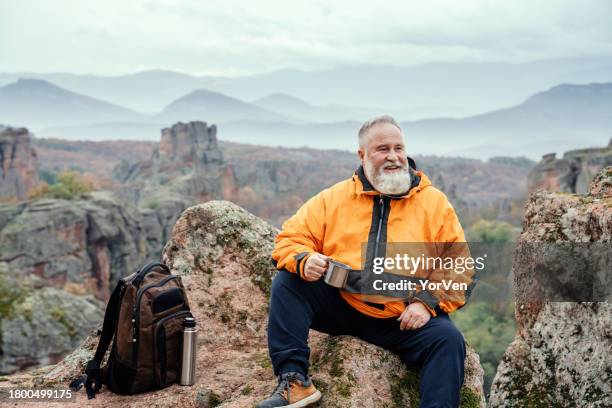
x=375, y=121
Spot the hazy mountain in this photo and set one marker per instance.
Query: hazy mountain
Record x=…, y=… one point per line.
x=284, y=103
x=35, y=103
x=569, y=115
x=146, y=91
x=292, y=106
x=419, y=91
x=333, y=135
x=295, y=107
x=562, y=118
x=214, y=107
x=427, y=90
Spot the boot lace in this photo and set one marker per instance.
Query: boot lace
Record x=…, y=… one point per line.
x=284, y=385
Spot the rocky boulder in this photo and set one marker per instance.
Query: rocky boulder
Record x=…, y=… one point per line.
x=561, y=354
x=571, y=174
x=18, y=163
x=39, y=324
x=192, y=142
x=222, y=253
x=186, y=168
x=82, y=246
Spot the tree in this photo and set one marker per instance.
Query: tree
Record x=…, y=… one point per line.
x=69, y=185
x=490, y=232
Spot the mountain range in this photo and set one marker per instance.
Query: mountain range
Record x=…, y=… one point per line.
x=563, y=117
x=216, y=105
x=37, y=103
x=413, y=92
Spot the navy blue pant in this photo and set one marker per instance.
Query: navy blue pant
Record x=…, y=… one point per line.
x=296, y=306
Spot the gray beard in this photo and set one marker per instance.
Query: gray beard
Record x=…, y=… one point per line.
x=390, y=184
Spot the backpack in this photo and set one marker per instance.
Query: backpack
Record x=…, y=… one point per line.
x=144, y=316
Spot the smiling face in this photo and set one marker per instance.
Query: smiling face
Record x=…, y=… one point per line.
x=384, y=160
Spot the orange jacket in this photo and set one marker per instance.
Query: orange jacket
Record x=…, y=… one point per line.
x=338, y=220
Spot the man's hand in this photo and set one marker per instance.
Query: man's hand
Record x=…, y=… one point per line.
x=414, y=316
x=315, y=267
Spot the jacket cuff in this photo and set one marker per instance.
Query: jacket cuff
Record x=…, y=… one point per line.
x=300, y=262
x=428, y=300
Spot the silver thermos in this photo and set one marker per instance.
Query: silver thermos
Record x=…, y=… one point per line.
x=188, y=361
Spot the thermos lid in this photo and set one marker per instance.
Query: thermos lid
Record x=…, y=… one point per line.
x=189, y=322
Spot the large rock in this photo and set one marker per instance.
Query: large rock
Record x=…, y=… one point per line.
x=561, y=354
x=186, y=168
x=192, y=142
x=223, y=254
x=18, y=163
x=83, y=245
x=571, y=174
x=40, y=324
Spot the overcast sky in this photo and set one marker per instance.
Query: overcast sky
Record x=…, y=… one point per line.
x=237, y=37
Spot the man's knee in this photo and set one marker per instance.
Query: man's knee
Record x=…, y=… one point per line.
x=446, y=333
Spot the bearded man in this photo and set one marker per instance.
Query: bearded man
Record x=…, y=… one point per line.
x=386, y=201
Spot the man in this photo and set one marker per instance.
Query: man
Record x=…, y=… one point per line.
x=385, y=202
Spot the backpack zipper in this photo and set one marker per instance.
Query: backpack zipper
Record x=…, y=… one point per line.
x=156, y=329
x=136, y=315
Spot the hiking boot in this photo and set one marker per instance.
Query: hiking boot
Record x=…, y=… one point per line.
x=293, y=391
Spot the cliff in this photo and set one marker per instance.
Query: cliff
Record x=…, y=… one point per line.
x=83, y=245
x=222, y=252
x=561, y=353
x=571, y=174
x=18, y=163
x=39, y=324
x=192, y=142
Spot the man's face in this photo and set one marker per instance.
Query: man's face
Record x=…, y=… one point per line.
x=384, y=160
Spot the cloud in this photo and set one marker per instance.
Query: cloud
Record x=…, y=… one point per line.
x=242, y=37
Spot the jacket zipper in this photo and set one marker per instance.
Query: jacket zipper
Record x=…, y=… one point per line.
x=380, y=222
x=136, y=315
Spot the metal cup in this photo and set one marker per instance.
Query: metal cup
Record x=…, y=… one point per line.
x=336, y=274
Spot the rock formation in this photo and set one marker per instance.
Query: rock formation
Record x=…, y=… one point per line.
x=561, y=353
x=184, y=148
x=82, y=245
x=40, y=324
x=222, y=253
x=18, y=163
x=571, y=174
x=186, y=168
x=192, y=142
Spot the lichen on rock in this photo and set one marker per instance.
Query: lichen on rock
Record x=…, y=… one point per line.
x=42, y=323
x=561, y=354
x=206, y=232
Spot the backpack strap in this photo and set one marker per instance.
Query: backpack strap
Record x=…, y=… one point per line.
x=93, y=371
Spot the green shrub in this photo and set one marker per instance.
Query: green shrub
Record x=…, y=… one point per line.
x=490, y=231
x=68, y=186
